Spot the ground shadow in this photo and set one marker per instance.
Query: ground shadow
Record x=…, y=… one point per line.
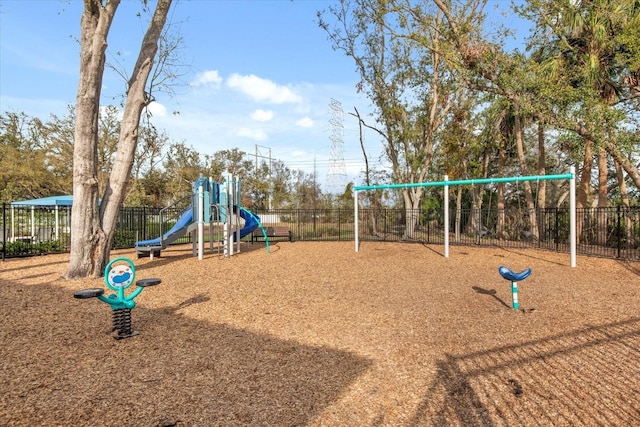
x=555, y=381
x=183, y=252
x=530, y=254
x=492, y=292
x=178, y=371
x=6, y=265
x=633, y=267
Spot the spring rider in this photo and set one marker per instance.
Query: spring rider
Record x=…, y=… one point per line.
x=514, y=278
x=119, y=274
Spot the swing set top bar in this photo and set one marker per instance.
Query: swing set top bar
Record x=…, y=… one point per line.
x=572, y=201
x=467, y=182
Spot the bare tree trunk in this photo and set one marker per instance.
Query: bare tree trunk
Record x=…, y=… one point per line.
x=531, y=209
x=475, y=221
x=624, y=199
x=542, y=167
x=93, y=228
x=477, y=225
x=584, y=187
x=542, y=170
x=602, y=196
x=86, y=233
x=374, y=200
x=412, y=198
x=137, y=100
x=500, y=226
x=458, y=213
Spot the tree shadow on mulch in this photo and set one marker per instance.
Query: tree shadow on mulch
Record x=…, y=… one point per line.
x=529, y=253
x=633, y=267
x=584, y=377
x=61, y=367
x=44, y=262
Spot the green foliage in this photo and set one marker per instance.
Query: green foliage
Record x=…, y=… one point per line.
x=123, y=239
x=26, y=248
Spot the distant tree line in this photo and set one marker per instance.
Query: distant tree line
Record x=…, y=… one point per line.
x=36, y=159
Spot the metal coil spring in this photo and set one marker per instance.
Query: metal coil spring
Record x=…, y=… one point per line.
x=122, y=321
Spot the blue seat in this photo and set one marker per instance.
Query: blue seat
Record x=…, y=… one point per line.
x=512, y=276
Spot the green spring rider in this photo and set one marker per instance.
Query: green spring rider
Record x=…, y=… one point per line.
x=119, y=274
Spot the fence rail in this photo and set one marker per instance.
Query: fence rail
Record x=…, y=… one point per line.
x=605, y=232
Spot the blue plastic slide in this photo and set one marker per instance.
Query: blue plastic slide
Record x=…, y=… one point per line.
x=177, y=231
x=251, y=222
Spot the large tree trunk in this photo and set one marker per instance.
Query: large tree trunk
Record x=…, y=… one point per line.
x=92, y=227
x=531, y=208
x=475, y=219
x=412, y=197
x=137, y=100
x=86, y=234
x=458, y=223
x=584, y=187
x=542, y=167
x=602, y=196
x=477, y=225
x=501, y=232
x=542, y=185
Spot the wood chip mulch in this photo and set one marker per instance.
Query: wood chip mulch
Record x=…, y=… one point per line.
x=316, y=334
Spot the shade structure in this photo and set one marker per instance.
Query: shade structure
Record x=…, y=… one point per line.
x=53, y=202
x=66, y=200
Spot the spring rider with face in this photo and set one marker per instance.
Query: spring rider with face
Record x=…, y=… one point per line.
x=119, y=275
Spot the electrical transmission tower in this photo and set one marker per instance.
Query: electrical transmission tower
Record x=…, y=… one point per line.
x=337, y=175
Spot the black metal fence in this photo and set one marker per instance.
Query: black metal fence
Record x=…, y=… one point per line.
x=606, y=232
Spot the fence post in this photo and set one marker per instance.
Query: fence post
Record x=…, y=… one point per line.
x=144, y=223
x=556, y=233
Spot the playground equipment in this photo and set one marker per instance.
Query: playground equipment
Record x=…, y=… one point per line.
x=571, y=176
x=212, y=205
x=119, y=274
x=514, y=278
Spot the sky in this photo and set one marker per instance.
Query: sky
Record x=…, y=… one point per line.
x=259, y=75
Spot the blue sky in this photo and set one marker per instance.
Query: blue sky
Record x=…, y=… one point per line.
x=260, y=75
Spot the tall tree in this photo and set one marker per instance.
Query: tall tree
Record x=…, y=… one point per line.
x=580, y=41
x=183, y=165
x=592, y=68
x=93, y=226
x=406, y=78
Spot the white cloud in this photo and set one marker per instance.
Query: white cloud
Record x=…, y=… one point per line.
x=255, y=134
x=157, y=110
x=305, y=122
x=262, y=115
x=207, y=78
x=263, y=90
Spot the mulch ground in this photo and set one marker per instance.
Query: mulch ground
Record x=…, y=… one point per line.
x=315, y=334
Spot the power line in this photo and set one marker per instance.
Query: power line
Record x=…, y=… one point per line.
x=337, y=174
